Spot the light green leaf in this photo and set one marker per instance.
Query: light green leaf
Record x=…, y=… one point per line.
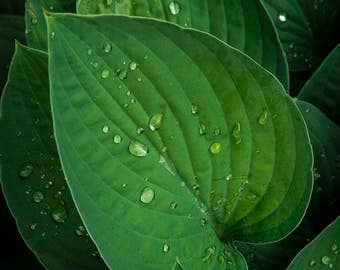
x=323, y=88
x=322, y=252
x=35, y=22
x=243, y=24
x=31, y=175
x=308, y=29
x=324, y=135
x=209, y=145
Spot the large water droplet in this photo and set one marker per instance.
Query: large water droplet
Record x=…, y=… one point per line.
x=138, y=149
x=105, y=73
x=107, y=47
x=26, y=170
x=147, y=195
x=37, y=196
x=117, y=139
x=166, y=248
x=156, y=121
x=263, y=118
x=174, y=7
x=325, y=260
x=215, y=148
x=282, y=17
x=59, y=214
x=133, y=66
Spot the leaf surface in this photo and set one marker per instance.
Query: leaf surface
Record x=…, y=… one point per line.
x=243, y=24
x=31, y=176
x=323, y=88
x=172, y=147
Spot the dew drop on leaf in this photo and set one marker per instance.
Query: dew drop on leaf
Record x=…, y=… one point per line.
x=203, y=222
x=155, y=121
x=173, y=205
x=334, y=247
x=325, y=260
x=215, y=148
x=26, y=170
x=133, y=66
x=138, y=149
x=166, y=248
x=80, y=230
x=140, y=130
x=34, y=21
x=174, y=7
x=147, y=195
x=194, y=109
x=59, y=214
x=52, y=34
x=106, y=129
x=202, y=129
x=37, y=196
x=117, y=139
x=89, y=52
x=107, y=47
x=263, y=118
x=33, y=226
x=105, y=73
x=122, y=74
x=217, y=132
x=282, y=17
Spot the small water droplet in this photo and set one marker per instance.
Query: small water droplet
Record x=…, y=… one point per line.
x=173, y=205
x=89, y=52
x=140, y=130
x=147, y=195
x=34, y=21
x=33, y=226
x=166, y=248
x=237, y=133
x=59, y=214
x=133, y=66
x=80, y=230
x=229, y=177
x=26, y=170
x=138, y=149
x=291, y=45
x=334, y=247
x=105, y=73
x=107, y=47
x=53, y=34
x=263, y=118
x=282, y=17
x=37, y=196
x=215, y=148
x=208, y=253
x=174, y=7
x=194, y=109
x=312, y=263
x=124, y=185
x=117, y=139
x=155, y=121
x=139, y=79
x=203, y=222
x=106, y=129
x=122, y=75
x=325, y=260
x=202, y=129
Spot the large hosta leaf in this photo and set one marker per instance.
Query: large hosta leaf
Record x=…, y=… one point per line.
x=170, y=139
x=322, y=252
x=35, y=21
x=31, y=175
x=324, y=136
x=243, y=24
x=323, y=89
x=308, y=29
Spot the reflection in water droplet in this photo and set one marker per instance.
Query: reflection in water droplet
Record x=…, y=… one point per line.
x=107, y=47
x=105, y=73
x=59, y=214
x=147, y=195
x=282, y=17
x=26, y=170
x=37, y=196
x=117, y=139
x=263, y=118
x=138, y=149
x=194, y=109
x=106, y=129
x=174, y=7
x=133, y=65
x=155, y=121
x=166, y=248
x=215, y=148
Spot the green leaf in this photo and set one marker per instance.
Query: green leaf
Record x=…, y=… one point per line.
x=11, y=28
x=308, y=29
x=323, y=88
x=171, y=139
x=322, y=252
x=324, y=135
x=243, y=24
x=31, y=175
x=35, y=20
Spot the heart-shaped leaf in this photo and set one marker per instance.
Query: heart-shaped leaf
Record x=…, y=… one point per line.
x=322, y=252
x=170, y=139
x=31, y=175
x=244, y=24
x=35, y=20
x=323, y=89
x=308, y=29
x=324, y=136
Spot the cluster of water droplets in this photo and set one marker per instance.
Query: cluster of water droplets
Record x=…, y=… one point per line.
x=326, y=260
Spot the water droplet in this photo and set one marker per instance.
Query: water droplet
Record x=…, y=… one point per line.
x=109, y=2
x=122, y=74
x=174, y=7
x=325, y=260
x=105, y=73
x=117, y=139
x=34, y=21
x=166, y=248
x=52, y=34
x=140, y=130
x=89, y=52
x=229, y=177
x=59, y=214
x=202, y=129
x=147, y=195
x=282, y=17
x=334, y=247
x=291, y=45
x=203, y=222
x=312, y=263
x=37, y=196
x=138, y=149
x=107, y=47
x=237, y=132
x=263, y=118
x=208, y=253
x=139, y=79
x=215, y=148
x=156, y=121
x=33, y=226
x=173, y=205
x=26, y=170
x=133, y=65
x=251, y=197
x=80, y=230
x=106, y=129
x=217, y=132
x=194, y=109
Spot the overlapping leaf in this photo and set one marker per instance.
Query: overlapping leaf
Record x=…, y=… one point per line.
x=31, y=175
x=243, y=24
x=171, y=147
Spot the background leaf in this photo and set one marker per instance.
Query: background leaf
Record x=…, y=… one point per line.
x=35, y=21
x=324, y=136
x=322, y=252
x=308, y=29
x=323, y=88
x=31, y=176
x=16, y=7
x=173, y=146
x=243, y=24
